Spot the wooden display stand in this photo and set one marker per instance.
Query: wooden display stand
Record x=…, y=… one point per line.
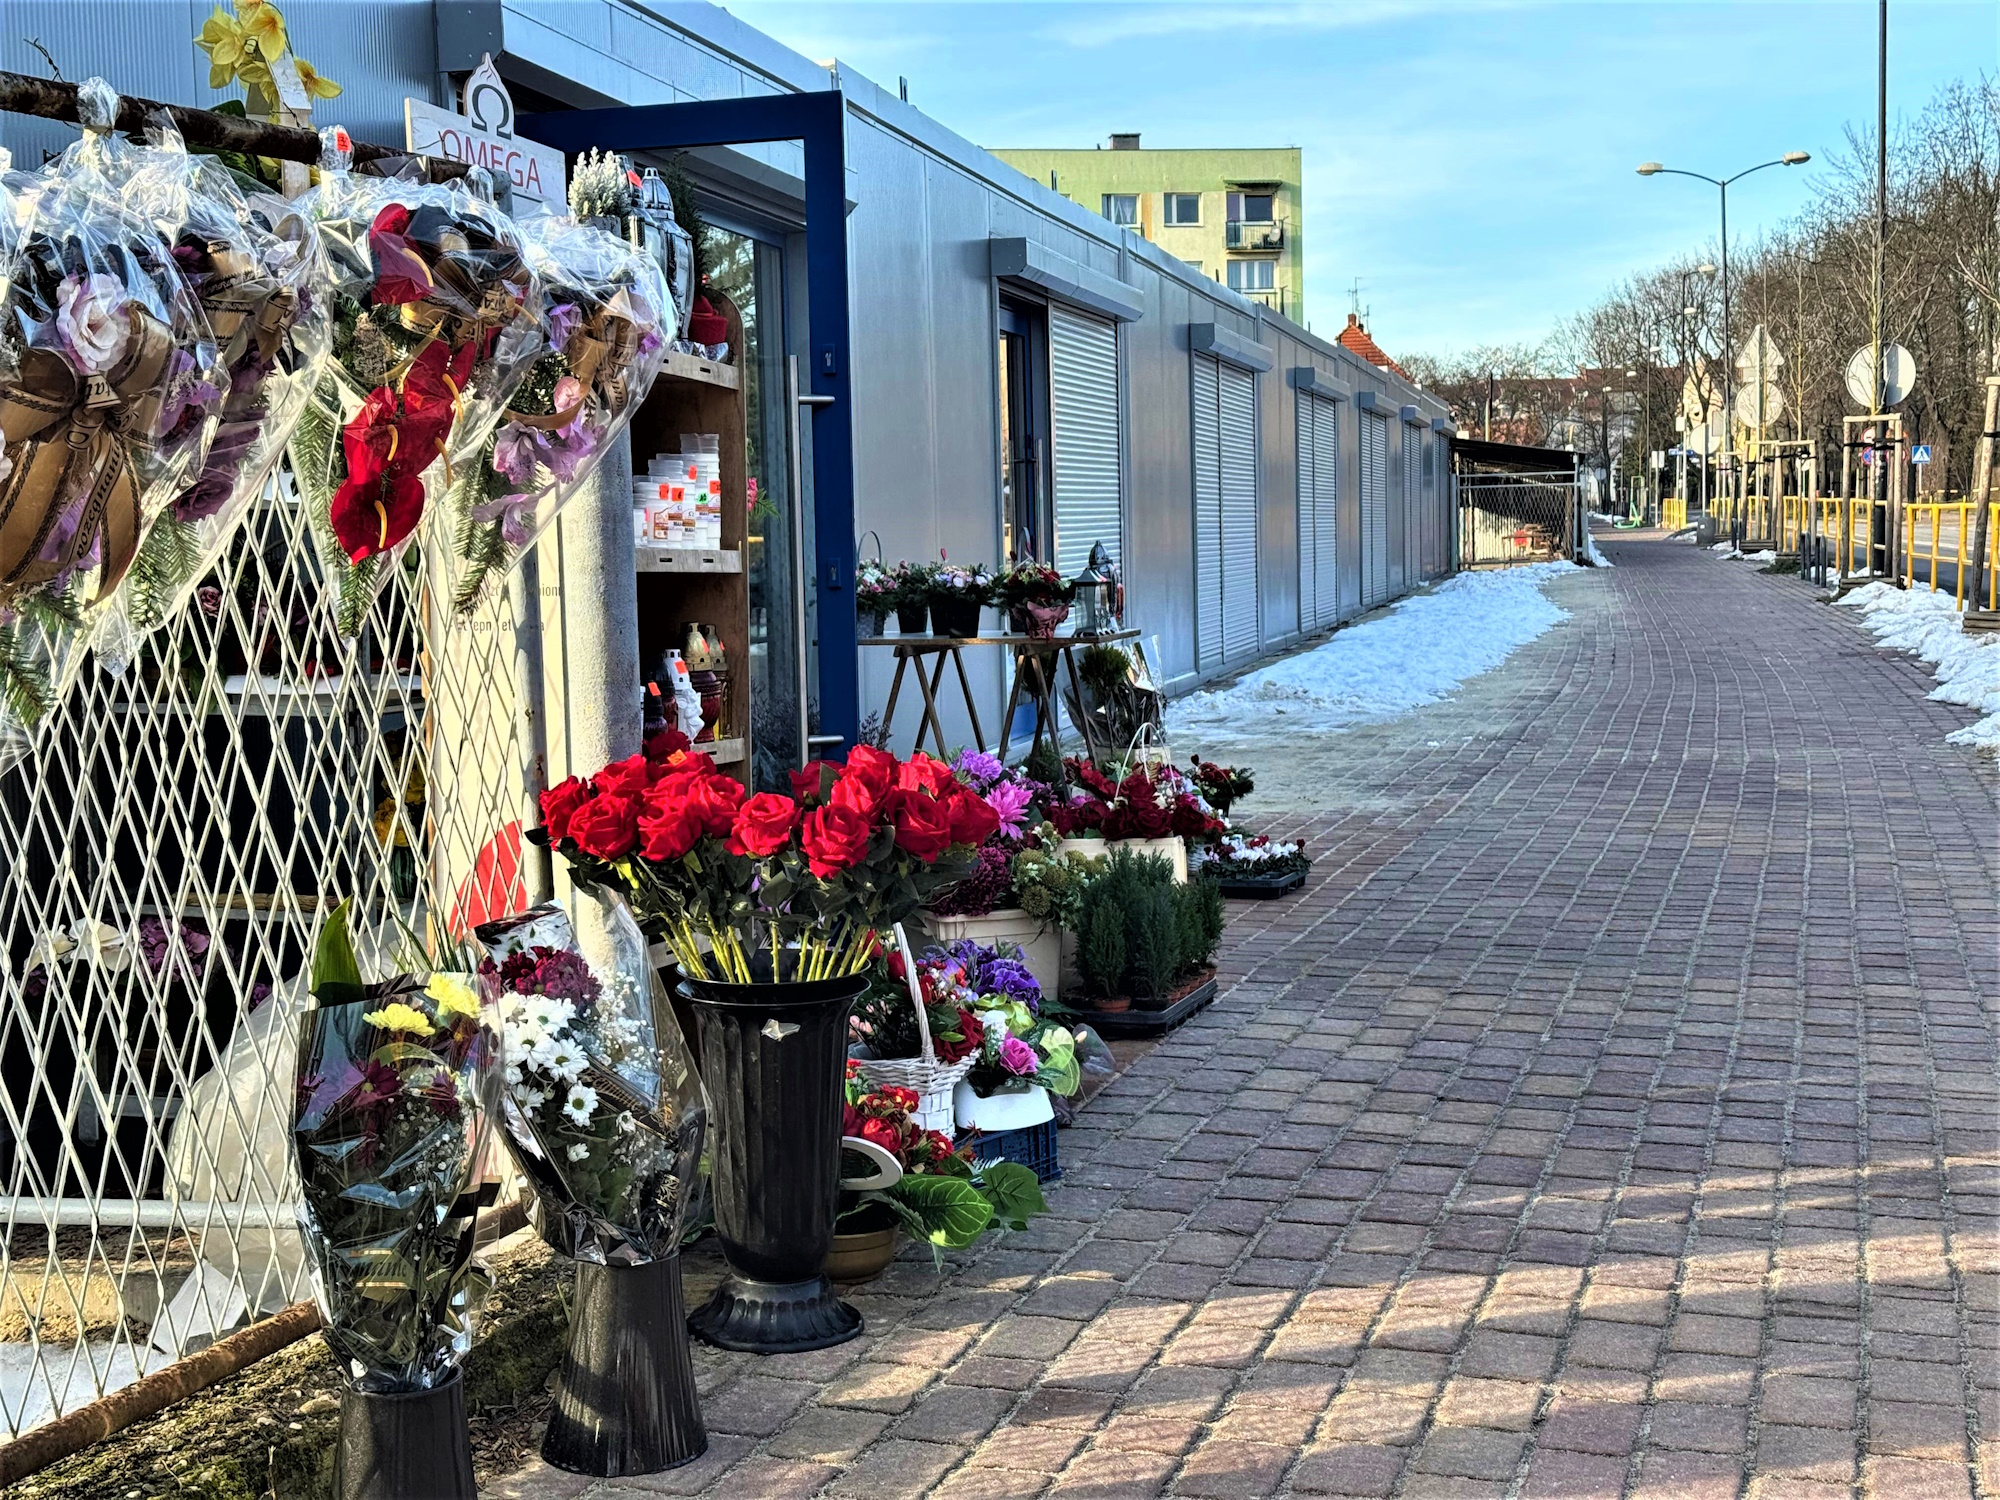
x=679, y=586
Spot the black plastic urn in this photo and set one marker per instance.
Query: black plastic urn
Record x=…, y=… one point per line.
x=774, y=1059
x=625, y=1396
x=404, y=1445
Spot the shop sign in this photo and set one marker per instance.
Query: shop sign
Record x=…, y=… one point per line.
x=483, y=136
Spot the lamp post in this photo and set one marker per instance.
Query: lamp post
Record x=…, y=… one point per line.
x=1721, y=184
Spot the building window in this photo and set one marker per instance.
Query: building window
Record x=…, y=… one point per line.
x=1252, y=275
x=1251, y=208
x=1122, y=208
x=1183, y=208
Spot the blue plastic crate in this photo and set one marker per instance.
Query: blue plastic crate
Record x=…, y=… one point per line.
x=1033, y=1147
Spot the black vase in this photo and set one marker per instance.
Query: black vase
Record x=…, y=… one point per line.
x=774, y=1059
x=404, y=1445
x=955, y=617
x=625, y=1396
x=913, y=619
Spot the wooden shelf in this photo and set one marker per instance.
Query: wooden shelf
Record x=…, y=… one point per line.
x=688, y=559
x=706, y=371
x=726, y=752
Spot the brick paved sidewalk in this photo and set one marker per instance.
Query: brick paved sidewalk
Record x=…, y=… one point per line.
x=1613, y=1115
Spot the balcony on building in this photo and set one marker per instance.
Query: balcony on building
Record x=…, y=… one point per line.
x=1251, y=220
x=1241, y=234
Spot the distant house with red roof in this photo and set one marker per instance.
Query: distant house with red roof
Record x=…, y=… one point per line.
x=1355, y=336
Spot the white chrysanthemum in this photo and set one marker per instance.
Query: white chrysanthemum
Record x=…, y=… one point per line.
x=578, y=1151
x=534, y=1099
x=626, y=1124
x=581, y=1101
x=563, y=1059
x=512, y=1073
x=550, y=1013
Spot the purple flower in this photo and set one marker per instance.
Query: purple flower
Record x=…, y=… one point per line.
x=259, y=993
x=1011, y=979
x=1011, y=802
x=515, y=513
x=978, y=769
x=184, y=394
x=1018, y=1058
x=648, y=342
x=563, y=320
x=568, y=452
x=516, y=451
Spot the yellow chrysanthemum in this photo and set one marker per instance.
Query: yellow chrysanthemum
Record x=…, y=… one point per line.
x=264, y=24
x=396, y=1016
x=316, y=87
x=453, y=996
x=223, y=39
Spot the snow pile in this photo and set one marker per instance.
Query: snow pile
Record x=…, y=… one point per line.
x=1597, y=559
x=1926, y=625
x=1418, y=653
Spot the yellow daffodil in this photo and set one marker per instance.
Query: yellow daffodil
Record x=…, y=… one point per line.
x=454, y=997
x=396, y=1016
x=316, y=87
x=223, y=39
x=264, y=24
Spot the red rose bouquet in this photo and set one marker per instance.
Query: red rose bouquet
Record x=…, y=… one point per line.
x=437, y=320
x=769, y=888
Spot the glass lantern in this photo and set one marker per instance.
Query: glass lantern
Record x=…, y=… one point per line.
x=1096, y=586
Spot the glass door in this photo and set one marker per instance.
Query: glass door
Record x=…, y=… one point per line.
x=1027, y=529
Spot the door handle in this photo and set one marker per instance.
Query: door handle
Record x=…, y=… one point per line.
x=798, y=501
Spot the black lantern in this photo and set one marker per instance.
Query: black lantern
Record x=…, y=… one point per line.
x=1096, y=598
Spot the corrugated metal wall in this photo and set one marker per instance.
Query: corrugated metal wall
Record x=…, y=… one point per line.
x=1237, y=404
x=1318, y=437
x=1083, y=418
x=1374, y=509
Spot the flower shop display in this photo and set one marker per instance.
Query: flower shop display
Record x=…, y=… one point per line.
x=437, y=321
x=1154, y=809
x=943, y=1197
x=1142, y=938
x=1035, y=596
x=605, y=1118
x=956, y=596
x=397, y=1086
x=929, y=1057
x=606, y=321
x=907, y=591
x=1254, y=865
x=111, y=388
x=875, y=590
x=772, y=907
x=1022, y=1056
x=1220, y=786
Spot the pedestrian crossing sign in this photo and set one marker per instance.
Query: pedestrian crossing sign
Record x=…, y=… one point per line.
x=1920, y=453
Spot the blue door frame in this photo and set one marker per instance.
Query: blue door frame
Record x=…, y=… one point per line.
x=819, y=120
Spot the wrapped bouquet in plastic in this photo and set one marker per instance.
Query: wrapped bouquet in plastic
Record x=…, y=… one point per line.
x=603, y=1110
x=437, y=321
x=397, y=1085
x=607, y=321
x=111, y=387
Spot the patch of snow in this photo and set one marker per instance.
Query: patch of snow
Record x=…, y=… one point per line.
x=1926, y=625
x=1597, y=559
x=25, y=1381
x=1723, y=547
x=1418, y=653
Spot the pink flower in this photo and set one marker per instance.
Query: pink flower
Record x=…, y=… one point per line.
x=514, y=453
x=516, y=515
x=1010, y=802
x=1018, y=1058
x=91, y=317
x=569, y=393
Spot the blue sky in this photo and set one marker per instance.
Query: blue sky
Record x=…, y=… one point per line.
x=1471, y=162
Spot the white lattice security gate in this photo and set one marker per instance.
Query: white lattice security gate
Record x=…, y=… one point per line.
x=1225, y=511
x=173, y=840
x=1374, y=509
x=1319, y=492
x=1083, y=384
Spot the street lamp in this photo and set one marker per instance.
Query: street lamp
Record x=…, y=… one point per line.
x=1721, y=184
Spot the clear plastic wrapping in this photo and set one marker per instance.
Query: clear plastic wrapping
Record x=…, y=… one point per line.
x=111, y=388
x=604, y=1111
x=437, y=320
x=607, y=320
x=396, y=1089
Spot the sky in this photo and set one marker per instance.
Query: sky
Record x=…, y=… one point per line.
x=1470, y=161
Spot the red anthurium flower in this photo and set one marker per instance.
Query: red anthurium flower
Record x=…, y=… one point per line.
x=432, y=390
x=369, y=439
x=373, y=514
x=401, y=274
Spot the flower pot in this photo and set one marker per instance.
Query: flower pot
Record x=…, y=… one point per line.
x=1089, y=847
x=913, y=619
x=1041, y=947
x=1172, y=850
x=1109, y=1005
x=1011, y=1106
x=625, y=1393
x=1040, y=620
x=958, y=618
x=877, y=620
x=863, y=1256
x=399, y=1445
x=774, y=1059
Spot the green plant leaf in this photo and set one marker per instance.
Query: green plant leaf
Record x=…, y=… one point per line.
x=334, y=967
x=949, y=1211
x=1014, y=1193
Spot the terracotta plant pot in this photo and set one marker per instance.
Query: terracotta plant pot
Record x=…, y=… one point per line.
x=861, y=1257
x=1110, y=1005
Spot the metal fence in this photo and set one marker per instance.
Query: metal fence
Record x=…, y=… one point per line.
x=1516, y=518
x=172, y=841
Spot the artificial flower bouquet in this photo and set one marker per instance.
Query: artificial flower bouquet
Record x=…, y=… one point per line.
x=1220, y=785
x=396, y=1089
x=769, y=888
x=604, y=1113
x=944, y=1197
x=607, y=318
x=884, y=1027
x=1017, y=800
x=111, y=387
x=437, y=320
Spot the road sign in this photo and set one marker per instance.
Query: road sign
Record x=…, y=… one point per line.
x=484, y=136
x=1921, y=453
x=1899, y=374
x=1751, y=414
x=1760, y=359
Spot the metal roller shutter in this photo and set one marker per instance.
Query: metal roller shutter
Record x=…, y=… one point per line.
x=1308, y=512
x=1326, y=496
x=1083, y=420
x=1238, y=408
x=1374, y=509
x=1207, y=513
